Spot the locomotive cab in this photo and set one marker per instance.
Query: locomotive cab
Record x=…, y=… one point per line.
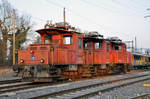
x=67, y=50
x=119, y=57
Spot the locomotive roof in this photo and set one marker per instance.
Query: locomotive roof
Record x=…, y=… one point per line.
x=54, y=30
x=140, y=54
x=94, y=35
x=115, y=42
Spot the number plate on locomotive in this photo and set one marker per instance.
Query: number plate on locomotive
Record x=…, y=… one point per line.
x=32, y=58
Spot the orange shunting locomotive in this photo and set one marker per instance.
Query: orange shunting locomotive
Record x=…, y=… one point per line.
x=65, y=53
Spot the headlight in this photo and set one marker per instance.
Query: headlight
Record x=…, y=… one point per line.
x=31, y=51
x=21, y=60
x=42, y=60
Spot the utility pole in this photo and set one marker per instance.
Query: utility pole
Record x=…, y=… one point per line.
x=135, y=44
x=14, y=37
x=64, y=17
x=132, y=46
x=141, y=50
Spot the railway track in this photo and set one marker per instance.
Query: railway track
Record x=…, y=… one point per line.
x=9, y=81
x=94, y=89
x=16, y=87
x=23, y=86
x=76, y=90
x=144, y=96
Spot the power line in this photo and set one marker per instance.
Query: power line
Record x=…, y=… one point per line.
x=40, y=19
x=148, y=16
x=99, y=6
x=37, y=18
x=74, y=12
x=126, y=6
x=54, y=3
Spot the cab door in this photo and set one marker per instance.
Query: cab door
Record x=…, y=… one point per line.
x=79, y=49
x=88, y=53
x=108, y=52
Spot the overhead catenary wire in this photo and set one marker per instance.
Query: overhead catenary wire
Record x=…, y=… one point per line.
x=75, y=13
x=108, y=8
x=100, y=6
x=127, y=6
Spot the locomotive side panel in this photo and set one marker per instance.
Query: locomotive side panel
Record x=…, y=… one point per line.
x=28, y=57
x=118, y=54
x=71, y=57
x=62, y=56
x=129, y=59
x=65, y=55
x=99, y=57
x=88, y=54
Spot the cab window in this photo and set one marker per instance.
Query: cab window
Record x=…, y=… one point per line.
x=124, y=48
x=67, y=39
x=98, y=45
x=47, y=39
x=79, y=40
x=117, y=47
x=107, y=47
x=87, y=46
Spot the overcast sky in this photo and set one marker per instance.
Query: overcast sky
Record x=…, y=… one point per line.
x=121, y=18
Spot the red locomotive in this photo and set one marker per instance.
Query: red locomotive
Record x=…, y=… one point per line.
x=65, y=53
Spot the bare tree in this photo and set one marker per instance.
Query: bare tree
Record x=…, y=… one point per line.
x=4, y=28
x=23, y=25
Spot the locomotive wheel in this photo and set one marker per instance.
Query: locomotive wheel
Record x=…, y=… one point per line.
x=58, y=71
x=108, y=69
x=15, y=68
x=128, y=69
x=124, y=69
x=52, y=73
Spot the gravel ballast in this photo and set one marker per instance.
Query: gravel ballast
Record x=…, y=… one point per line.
x=126, y=92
